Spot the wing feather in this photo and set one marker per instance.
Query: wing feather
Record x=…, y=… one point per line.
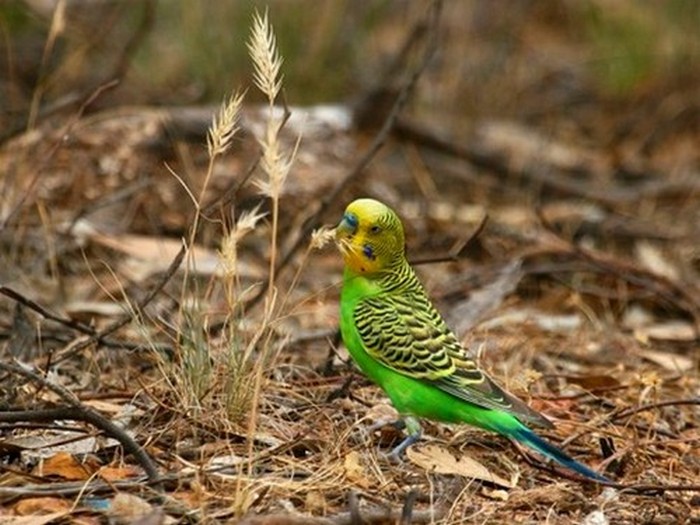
x=407, y=334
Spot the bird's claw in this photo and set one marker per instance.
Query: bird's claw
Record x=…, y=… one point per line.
x=409, y=423
x=393, y=457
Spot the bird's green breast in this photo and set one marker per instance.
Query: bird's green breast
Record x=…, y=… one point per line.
x=355, y=289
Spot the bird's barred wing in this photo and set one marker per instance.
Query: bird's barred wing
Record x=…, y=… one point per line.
x=407, y=334
x=406, y=337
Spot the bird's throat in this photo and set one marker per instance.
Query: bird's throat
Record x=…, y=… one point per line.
x=358, y=264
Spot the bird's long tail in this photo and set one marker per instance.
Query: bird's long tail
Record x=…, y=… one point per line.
x=532, y=440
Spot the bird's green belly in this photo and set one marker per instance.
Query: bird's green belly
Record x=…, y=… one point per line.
x=417, y=398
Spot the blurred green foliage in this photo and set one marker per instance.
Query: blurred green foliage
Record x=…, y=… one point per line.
x=13, y=16
x=204, y=45
x=195, y=51
x=634, y=42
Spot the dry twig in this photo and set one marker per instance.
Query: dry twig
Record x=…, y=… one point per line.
x=77, y=411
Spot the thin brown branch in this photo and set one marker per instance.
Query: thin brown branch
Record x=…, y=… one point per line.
x=70, y=323
x=407, y=511
x=139, y=307
x=652, y=406
x=77, y=411
x=230, y=194
x=139, y=35
x=457, y=251
x=21, y=299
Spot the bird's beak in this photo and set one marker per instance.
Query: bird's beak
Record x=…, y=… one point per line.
x=344, y=230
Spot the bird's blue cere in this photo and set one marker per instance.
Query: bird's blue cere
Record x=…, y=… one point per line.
x=350, y=219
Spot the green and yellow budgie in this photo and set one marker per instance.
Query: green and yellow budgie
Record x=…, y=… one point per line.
x=401, y=342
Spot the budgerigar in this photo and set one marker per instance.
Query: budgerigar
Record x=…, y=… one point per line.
x=400, y=341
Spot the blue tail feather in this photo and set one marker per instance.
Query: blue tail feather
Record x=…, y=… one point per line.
x=529, y=438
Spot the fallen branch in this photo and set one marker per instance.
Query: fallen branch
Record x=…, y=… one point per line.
x=683, y=296
x=77, y=411
x=652, y=406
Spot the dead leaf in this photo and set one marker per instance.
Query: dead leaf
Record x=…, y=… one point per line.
x=66, y=466
x=354, y=470
x=668, y=331
x=316, y=502
x=104, y=406
x=656, y=261
x=151, y=255
x=129, y=506
x=672, y=362
x=155, y=517
x=545, y=321
x=497, y=494
x=41, y=446
x=42, y=506
x=437, y=459
x=34, y=519
x=466, y=314
x=525, y=147
x=85, y=310
x=594, y=381
x=118, y=473
x=382, y=412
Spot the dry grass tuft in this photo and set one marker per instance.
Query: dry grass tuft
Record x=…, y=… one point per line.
x=223, y=376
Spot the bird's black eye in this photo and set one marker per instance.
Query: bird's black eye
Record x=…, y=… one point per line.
x=375, y=229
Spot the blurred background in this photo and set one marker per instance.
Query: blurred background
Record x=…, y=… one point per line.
x=524, y=58
x=548, y=157
x=585, y=112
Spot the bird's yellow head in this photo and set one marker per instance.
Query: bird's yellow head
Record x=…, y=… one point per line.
x=370, y=237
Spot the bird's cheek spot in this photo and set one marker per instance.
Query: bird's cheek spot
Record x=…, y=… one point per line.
x=368, y=252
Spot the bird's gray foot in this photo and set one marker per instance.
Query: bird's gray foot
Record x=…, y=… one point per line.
x=414, y=432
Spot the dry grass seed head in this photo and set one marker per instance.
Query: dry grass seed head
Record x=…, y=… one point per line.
x=274, y=163
x=266, y=59
x=322, y=236
x=224, y=125
x=228, y=252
